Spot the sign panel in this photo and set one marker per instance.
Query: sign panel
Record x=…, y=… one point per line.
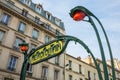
x=46, y=51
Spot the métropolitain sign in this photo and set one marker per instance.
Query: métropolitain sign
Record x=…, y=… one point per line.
x=47, y=51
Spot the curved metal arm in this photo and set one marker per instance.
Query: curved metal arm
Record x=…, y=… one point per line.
x=89, y=13
x=101, y=49
x=109, y=47
x=71, y=38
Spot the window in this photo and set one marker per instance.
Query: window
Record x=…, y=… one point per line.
x=111, y=79
x=35, y=34
x=12, y=63
x=70, y=65
x=47, y=39
x=89, y=78
x=44, y=72
x=22, y=27
x=10, y=3
x=8, y=79
x=37, y=19
x=17, y=42
x=94, y=76
x=48, y=16
x=56, y=74
x=57, y=60
x=57, y=21
x=38, y=9
x=80, y=79
x=70, y=77
x=32, y=46
x=28, y=2
x=48, y=26
x=24, y=12
x=2, y=33
x=80, y=70
x=57, y=32
x=119, y=76
x=29, y=68
x=5, y=18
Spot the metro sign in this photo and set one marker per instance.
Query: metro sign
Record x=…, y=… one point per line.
x=47, y=51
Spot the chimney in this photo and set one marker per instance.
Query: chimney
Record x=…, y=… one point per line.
x=79, y=58
x=89, y=59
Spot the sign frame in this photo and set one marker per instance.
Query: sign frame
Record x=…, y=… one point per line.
x=37, y=51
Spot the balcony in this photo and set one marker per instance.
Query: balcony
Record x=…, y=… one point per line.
x=29, y=17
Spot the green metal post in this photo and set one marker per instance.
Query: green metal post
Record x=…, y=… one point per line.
x=109, y=47
x=89, y=14
x=101, y=50
x=24, y=67
x=71, y=38
x=66, y=39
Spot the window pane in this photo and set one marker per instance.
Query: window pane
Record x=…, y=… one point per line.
x=57, y=32
x=44, y=72
x=70, y=64
x=80, y=71
x=12, y=63
x=1, y=35
x=21, y=27
x=57, y=22
x=35, y=34
x=38, y=9
x=70, y=77
x=89, y=77
x=32, y=46
x=37, y=19
x=17, y=42
x=47, y=39
x=48, y=16
x=10, y=3
x=56, y=75
x=29, y=68
x=5, y=18
x=94, y=76
x=57, y=60
x=24, y=12
x=28, y=2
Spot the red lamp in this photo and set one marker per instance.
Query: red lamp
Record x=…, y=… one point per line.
x=23, y=48
x=79, y=15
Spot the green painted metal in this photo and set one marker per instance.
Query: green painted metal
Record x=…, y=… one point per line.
x=24, y=67
x=89, y=14
x=25, y=62
x=71, y=38
x=66, y=40
x=101, y=49
x=109, y=47
x=47, y=51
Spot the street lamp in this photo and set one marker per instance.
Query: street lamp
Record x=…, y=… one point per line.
x=71, y=38
x=78, y=13
x=24, y=49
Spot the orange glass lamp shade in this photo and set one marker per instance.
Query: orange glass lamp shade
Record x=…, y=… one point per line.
x=79, y=15
x=23, y=48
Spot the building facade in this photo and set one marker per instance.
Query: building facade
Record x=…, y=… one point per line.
x=23, y=20
x=84, y=69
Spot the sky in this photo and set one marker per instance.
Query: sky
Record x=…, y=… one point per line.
x=107, y=11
